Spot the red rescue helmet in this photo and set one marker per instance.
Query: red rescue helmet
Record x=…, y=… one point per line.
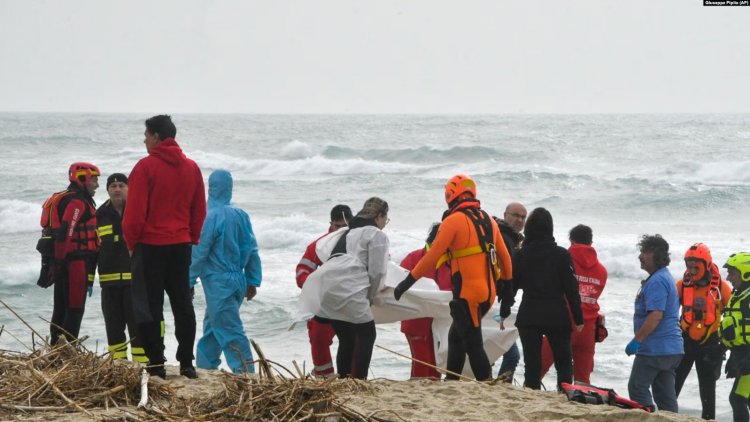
x=699, y=253
x=80, y=173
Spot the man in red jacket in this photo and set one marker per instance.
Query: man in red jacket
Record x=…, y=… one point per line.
x=163, y=217
x=321, y=333
x=592, y=276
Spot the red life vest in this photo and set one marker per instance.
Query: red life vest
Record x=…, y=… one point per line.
x=84, y=237
x=589, y=394
x=701, y=307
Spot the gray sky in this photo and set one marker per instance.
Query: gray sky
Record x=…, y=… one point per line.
x=404, y=56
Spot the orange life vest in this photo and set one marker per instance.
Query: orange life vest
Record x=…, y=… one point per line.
x=701, y=308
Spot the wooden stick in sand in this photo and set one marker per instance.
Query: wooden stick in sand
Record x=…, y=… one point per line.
x=144, y=388
x=430, y=365
x=24, y=321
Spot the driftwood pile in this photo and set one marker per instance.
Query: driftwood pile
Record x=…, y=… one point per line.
x=259, y=399
x=68, y=377
x=273, y=397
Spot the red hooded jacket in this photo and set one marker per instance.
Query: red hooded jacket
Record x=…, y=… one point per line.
x=591, y=275
x=166, y=199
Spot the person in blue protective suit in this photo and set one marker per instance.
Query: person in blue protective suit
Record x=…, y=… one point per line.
x=228, y=264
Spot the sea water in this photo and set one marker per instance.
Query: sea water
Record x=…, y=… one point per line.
x=683, y=176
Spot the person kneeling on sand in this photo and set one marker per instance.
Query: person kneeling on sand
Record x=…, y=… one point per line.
x=228, y=264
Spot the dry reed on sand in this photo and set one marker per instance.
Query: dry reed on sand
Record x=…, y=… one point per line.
x=68, y=377
x=278, y=399
x=274, y=397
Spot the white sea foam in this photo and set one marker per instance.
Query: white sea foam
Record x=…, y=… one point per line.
x=296, y=150
x=20, y=273
x=623, y=175
x=19, y=216
x=244, y=168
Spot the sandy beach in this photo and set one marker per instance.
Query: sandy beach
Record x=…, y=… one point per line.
x=387, y=400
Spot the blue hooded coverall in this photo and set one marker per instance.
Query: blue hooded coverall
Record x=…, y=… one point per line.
x=227, y=262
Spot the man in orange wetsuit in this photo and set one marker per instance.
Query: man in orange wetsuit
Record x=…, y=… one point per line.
x=418, y=331
x=592, y=277
x=321, y=333
x=703, y=296
x=470, y=241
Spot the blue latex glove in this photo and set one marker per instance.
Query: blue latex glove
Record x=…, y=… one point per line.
x=90, y=289
x=632, y=347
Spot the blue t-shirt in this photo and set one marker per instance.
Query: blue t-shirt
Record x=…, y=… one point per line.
x=659, y=293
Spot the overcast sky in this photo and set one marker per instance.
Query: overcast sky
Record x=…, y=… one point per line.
x=375, y=56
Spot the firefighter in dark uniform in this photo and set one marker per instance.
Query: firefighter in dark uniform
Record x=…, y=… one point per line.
x=114, y=274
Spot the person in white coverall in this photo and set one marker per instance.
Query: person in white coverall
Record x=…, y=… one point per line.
x=347, y=282
x=228, y=264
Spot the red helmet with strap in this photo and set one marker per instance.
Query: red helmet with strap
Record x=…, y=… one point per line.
x=699, y=253
x=457, y=185
x=80, y=173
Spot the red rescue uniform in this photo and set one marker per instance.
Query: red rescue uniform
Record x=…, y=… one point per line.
x=592, y=277
x=418, y=331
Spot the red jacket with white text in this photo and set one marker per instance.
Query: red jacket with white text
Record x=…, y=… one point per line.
x=591, y=275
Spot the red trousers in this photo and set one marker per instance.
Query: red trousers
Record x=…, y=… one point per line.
x=583, y=352
x=321, y=338
x=418, y=333
x=70, y=300
x=422, y=349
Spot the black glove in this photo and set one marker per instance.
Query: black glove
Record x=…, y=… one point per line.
x=731, y=368
x=404, y=286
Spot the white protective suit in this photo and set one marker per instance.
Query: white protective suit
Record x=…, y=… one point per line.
x=343, y=287
x=422, y=300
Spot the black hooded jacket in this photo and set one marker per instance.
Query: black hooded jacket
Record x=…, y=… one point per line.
x=544, y=271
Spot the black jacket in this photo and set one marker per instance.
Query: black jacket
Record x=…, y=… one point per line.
x=544, y=271
x=113, y=261
x=511, y=237
x=505, y=291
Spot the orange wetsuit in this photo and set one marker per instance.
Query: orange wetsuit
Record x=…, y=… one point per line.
x=472, y=277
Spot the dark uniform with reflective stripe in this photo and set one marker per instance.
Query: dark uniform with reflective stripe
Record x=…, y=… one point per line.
x=114, y=276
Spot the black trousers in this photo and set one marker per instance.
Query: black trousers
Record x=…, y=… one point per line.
x=740, y=404
x=466, y=339
x=708, y=359
x=157, y=269
x=559, y=341
x=355, y=348
x=117, y=308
